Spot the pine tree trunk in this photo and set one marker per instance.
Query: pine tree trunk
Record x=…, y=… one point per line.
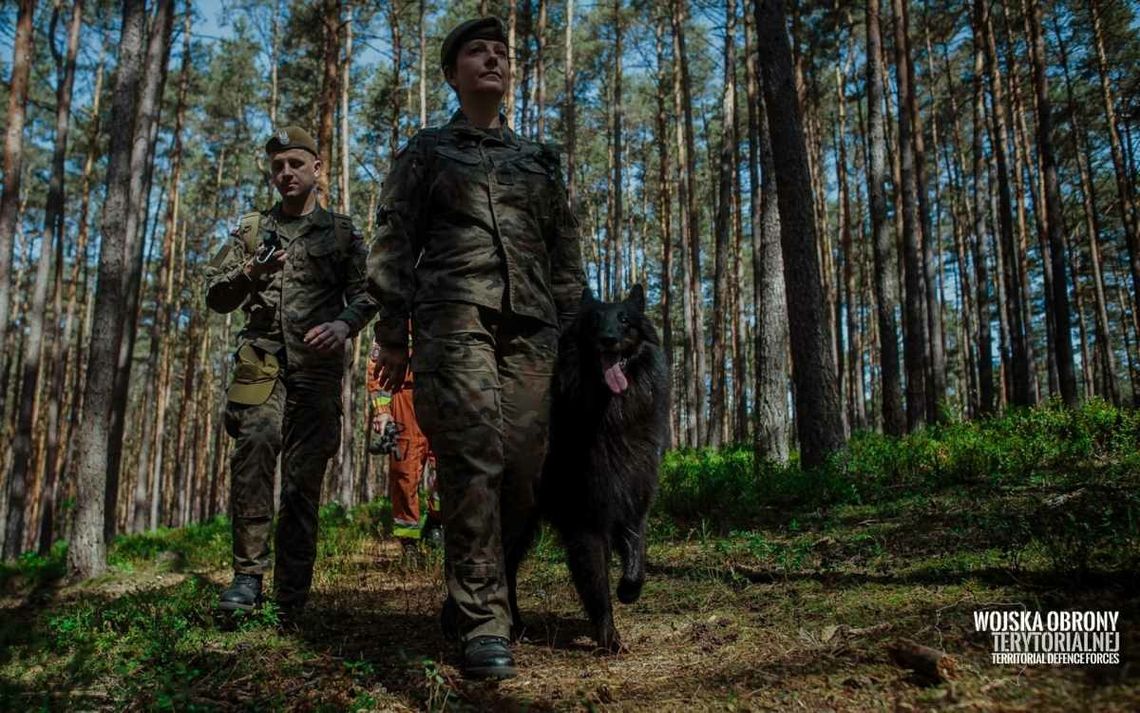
x=142, y=152
x=886, y=264
x=1126, y=199
x=512, y=31
x=569, y=106
x=87, y=552
x=818, y=417
x=346, y=460
x=327, y=100
x=540, y=73
x=1104, y=350
x=664, y=209
x=23, y=471
x=614, y=215
x=1054, y=217
x=1020, y=359
x=1024, y=183
x=691, y=232
x=423, y=64
x=770, y=434
x=23, y=55
x=916, y=340
x=396, y=92
x=722, y=229
x=54, y=222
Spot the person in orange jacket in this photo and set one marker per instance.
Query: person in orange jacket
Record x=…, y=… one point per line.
x=406, y=466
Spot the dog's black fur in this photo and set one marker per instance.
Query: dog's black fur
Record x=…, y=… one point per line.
x=605, y=449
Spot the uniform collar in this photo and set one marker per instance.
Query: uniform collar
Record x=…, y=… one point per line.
x=460, y=124
x=319, y=218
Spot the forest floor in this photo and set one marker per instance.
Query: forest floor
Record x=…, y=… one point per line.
x=794, y=614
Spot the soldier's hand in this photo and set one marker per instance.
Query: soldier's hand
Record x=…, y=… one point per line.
x=255, y=268
x=328, y=337
x=380, y=419
x=392, y=367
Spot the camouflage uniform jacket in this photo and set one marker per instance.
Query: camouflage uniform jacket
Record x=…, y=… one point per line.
x=323, y=280
x=472, y=216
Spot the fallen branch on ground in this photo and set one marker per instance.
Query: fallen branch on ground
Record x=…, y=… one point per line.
x=929, y=663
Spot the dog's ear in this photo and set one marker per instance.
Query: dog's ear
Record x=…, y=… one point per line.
x=637, y=298
x=588, y=296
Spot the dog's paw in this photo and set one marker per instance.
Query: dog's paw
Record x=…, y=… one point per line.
x=629, y=590
x=609, y=642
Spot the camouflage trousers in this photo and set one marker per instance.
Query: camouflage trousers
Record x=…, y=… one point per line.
x=483, y=399
x=300, y=422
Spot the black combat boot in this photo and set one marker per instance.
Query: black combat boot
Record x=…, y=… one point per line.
x=488, y=657
x=243, y=594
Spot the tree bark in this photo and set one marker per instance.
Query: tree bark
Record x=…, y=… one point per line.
x=886, y=265
x=1054, y=217
x=770, y=439
x=396, y=94
x=423, y=64
x=346, y=460
x=327, y=100
x=614, y=220
x=664, y=205
x=818, y=419
x=22, y=474
x=1020, y=364
x=569, y=106
x=148, y=107
x=722, y=229
x=1126, y=199
x=917, y=338
x=22, y=58
x=87, y=554
x=54, y=222
x=1104, y=350
x=691, y=231
x=540, y=73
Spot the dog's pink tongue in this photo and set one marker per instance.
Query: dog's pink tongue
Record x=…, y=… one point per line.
x=615, y=378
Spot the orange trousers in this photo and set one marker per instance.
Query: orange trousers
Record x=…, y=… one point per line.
x=404, y=474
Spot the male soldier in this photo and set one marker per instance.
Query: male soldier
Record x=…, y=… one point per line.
x=298, y=273
x=476, y=242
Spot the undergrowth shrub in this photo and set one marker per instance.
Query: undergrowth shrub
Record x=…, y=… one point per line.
x=1095, y=447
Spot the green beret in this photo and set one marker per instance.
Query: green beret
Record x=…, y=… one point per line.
x=483, y=28
x=291, y=137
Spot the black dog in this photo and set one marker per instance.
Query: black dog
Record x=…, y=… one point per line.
x=609, y=428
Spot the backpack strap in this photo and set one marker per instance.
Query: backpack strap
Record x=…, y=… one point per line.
x=249, y=226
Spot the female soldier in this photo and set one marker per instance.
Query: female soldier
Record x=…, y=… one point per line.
x=475, y=243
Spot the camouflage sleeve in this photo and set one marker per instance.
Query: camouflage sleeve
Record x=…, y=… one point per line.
x=227, y=285
x=359, y=307
x=567, y=278
x=391, y=258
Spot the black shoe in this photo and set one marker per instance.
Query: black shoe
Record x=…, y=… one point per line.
x=488, y=657
x=244, y=593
